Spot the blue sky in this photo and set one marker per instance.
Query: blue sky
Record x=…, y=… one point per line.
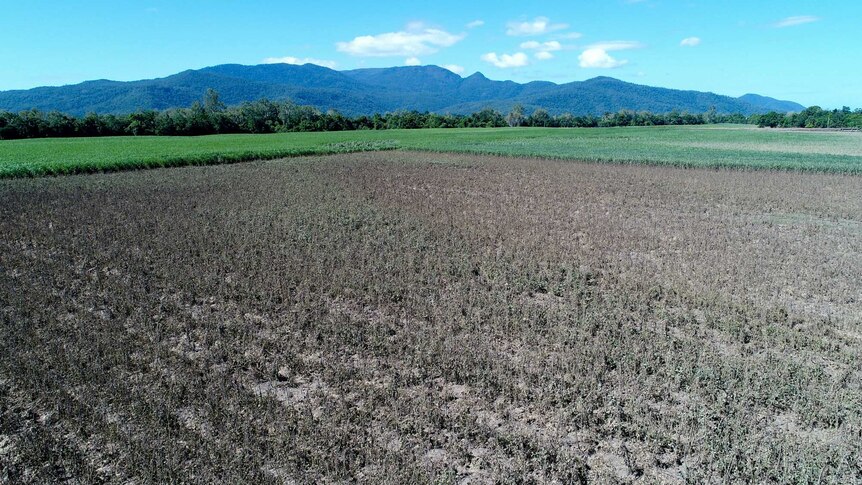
x=801, y=50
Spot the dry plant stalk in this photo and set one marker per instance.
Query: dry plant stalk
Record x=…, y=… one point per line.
x=409, y=318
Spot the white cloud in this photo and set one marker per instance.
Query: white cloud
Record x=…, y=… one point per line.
x=599, y=59
x=299, y=61
x=543, y=49
x=690, y=42
x=596, y=55
x=542, y=46
x=539, y=26
x=417, y=40
x=475, y=23
x=797, y=20
x=454, y=68
x=518, y=59
x=412, y=61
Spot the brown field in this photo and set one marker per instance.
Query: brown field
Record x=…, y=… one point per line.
x=399, y=317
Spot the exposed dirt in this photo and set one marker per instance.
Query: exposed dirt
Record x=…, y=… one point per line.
x=414, y=318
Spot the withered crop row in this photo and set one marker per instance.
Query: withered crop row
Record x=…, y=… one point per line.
x=409, y=318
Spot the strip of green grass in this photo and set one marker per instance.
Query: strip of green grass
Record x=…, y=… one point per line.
x=698, y=146
x=59, y=156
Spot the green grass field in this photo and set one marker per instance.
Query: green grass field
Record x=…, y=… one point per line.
x=691, y=146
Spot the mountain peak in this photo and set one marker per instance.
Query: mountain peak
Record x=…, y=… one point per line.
x=605, y=80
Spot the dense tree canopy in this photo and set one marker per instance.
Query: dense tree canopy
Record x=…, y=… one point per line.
x=813, y=117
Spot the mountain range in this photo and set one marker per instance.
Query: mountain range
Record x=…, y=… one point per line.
x=379, y=90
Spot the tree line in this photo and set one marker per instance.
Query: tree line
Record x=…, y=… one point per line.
x=813, y=117
x=211, y=116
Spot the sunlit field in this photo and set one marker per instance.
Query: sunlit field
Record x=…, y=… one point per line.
x=725, y=146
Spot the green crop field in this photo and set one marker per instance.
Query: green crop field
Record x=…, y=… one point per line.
x=56, y=156
x=698, y=146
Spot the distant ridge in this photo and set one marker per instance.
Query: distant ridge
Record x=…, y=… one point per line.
x=771, y=104
x=368, y=91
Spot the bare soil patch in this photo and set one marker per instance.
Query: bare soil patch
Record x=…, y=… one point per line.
x=415, y=318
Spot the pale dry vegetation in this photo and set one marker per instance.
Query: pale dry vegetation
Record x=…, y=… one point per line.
x=401, y=317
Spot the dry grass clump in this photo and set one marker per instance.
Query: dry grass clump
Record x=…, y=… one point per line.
x=402, y=318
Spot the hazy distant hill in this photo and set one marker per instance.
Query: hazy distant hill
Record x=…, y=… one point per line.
x=771, y=104
x=366, y=91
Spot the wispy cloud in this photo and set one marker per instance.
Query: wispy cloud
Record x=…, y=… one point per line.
x=543, y=49
x=416, y=40
x=797, y=20
x=569, y=35
x=454, y=68
x=475, y=23
x=616, y=45
x=518, y=59
x=299, y=61
x=596, y=56
x=690, y=42
x=542, y=46
x=538, y=26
